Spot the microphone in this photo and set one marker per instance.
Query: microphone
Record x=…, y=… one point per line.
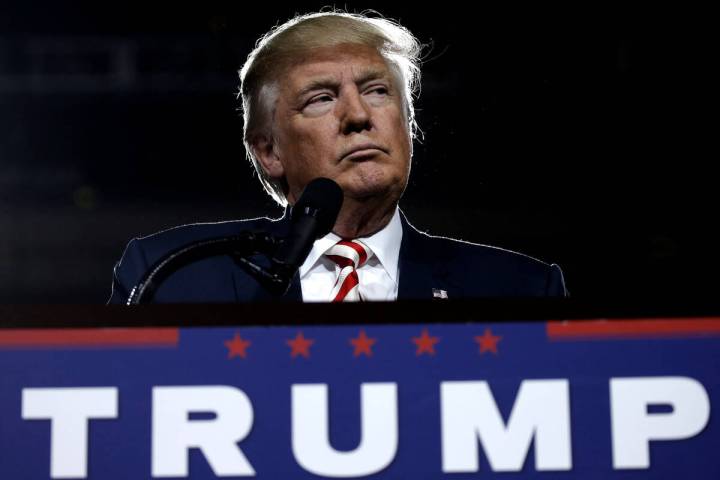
x=312, y=217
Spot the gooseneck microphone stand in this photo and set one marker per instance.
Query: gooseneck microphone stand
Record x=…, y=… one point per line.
x=238, y=247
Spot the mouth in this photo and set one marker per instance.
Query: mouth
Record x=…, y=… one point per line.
x=362, y=152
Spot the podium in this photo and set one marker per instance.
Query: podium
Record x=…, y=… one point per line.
x=429, y=390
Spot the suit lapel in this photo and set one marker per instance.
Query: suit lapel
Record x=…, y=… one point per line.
x=417, y=275
x=294, y=293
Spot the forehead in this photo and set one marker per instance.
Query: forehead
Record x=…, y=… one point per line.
x=336, y=63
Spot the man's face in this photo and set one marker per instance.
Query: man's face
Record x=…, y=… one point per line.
x=339, y=114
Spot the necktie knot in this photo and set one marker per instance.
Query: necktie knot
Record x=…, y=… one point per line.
x=349, y=255
x=349, y=252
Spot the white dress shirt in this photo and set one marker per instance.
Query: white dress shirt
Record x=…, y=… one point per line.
x=378, y=276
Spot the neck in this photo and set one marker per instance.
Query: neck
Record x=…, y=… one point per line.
x=362, y=219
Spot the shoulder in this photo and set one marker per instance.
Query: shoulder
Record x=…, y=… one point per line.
x=143, y=252
x=495, y=270
x=158, y=244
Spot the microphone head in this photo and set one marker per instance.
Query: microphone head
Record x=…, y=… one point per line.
x=322, y=199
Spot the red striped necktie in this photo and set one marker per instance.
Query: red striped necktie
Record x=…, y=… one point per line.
x=349, y=255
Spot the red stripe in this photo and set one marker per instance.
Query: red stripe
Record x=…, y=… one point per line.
x=627, y=328
x=342, y=261
x=77, y=337
x=360, y=250
x=350, y=281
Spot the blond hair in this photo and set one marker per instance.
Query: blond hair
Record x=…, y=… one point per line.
x=277, y=49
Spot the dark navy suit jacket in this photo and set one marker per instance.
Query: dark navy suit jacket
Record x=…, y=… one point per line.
x=426, y=263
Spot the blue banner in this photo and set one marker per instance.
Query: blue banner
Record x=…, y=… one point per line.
x=587, y=400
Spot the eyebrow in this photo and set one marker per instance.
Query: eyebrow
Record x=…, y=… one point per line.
x=371, y=74
x=331, y=83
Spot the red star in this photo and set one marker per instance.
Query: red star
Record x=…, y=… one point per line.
x=363, y=344
x=300, y=345
x=425, y=343
x=236, y=347
x=488, y=342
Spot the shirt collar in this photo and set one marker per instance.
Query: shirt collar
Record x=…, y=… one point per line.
x=385, y=245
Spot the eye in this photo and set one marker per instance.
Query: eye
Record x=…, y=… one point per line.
x=320, y=99
x=378, y=90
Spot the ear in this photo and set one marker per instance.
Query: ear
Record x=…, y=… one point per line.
x=263, y=149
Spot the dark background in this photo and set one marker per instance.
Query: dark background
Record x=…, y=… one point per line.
x=582, y=137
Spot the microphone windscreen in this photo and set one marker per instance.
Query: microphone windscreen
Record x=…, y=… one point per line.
x=322, y=198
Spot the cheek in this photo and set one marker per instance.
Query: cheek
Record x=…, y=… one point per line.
x=308, y=154
x=396, y=121
x=317, y=143
x=404, y=152
x=401, y=136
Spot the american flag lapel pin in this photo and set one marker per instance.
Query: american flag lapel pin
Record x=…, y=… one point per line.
x=438, y=293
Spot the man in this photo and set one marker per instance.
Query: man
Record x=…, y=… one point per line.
x=331, y=95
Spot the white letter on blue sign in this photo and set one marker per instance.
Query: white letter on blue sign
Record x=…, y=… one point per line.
x=469, y=413
x=633, y=427
x=69, y=410
x=310, y=433
x=174, y=434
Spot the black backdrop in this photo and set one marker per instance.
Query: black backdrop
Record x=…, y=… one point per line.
x=582, y=137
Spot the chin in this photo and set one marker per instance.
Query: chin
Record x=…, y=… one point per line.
x=371, y=179
x=366, y=191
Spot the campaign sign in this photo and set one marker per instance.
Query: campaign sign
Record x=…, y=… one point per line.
x=587, y=400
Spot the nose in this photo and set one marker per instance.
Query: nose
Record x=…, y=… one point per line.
x=355, y=115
